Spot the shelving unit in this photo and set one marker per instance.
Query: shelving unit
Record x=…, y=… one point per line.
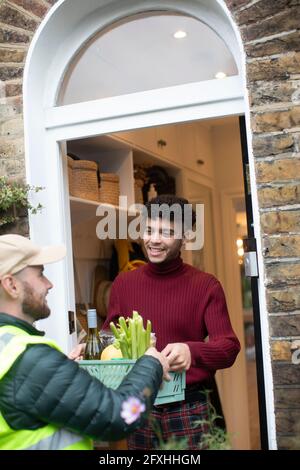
x=111, y=156
x=83, y=210
x=115, y=155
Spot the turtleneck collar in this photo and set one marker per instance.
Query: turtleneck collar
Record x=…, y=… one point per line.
x=167, y=268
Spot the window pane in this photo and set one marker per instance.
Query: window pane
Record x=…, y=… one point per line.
x=143, y=54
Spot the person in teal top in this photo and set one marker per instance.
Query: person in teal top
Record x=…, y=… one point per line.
x=46, y=401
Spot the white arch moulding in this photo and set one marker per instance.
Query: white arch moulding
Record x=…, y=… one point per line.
x=66, y=28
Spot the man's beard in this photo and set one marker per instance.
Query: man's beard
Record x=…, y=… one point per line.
x=34, y=308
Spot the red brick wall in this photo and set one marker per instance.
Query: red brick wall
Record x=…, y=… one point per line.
x=271, y=36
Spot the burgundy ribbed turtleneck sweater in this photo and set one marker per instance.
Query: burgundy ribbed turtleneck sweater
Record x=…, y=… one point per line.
x=184, y=305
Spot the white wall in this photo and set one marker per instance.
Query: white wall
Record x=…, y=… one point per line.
x=227, y=156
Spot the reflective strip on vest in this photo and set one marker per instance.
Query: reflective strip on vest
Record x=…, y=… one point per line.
x=13, y=342
x=60, y=440
x=4, y=340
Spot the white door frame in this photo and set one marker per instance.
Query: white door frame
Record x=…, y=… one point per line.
x=66, y=27
x=232, y=278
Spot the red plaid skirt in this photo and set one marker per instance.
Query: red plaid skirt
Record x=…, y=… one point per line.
x=177, y=421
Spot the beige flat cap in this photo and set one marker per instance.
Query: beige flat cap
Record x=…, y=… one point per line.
x=17, y=252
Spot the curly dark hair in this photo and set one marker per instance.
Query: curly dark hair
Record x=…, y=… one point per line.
x=171, y=200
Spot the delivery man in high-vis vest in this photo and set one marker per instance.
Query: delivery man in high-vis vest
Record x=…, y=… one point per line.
x=46, y=401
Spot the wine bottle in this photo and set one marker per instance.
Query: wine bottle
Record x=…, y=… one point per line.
x=93, y=347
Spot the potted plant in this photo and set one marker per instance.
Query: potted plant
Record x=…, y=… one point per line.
x=14, y=200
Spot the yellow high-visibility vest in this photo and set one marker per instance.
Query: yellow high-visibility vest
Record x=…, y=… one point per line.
x=13, y=342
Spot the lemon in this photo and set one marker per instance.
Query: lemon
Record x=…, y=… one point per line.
x=110, y=352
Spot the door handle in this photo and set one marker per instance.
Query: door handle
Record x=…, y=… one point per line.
x=250, y=257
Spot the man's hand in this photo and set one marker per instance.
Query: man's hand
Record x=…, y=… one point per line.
x=77, y=353
x=178, y=355
x=162, y=359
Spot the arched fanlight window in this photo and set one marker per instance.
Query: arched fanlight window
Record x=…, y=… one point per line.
x=146, y=52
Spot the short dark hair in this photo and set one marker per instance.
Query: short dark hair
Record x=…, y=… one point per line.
x=170, y=200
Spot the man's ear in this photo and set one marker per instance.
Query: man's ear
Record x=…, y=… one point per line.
x=10, y=285
x=188, y=237
x=185, y=238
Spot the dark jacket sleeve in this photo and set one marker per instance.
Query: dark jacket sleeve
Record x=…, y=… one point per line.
x=44, y=386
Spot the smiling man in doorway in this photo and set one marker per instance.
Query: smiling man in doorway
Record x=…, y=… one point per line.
x=189, y=315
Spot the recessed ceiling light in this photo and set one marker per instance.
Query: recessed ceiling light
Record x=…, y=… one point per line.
x=179, y=34
x=220, y=75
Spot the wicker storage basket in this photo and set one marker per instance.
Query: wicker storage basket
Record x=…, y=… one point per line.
x=109, y=189
x=70, y=175
x=111, y=373
x=85, y=180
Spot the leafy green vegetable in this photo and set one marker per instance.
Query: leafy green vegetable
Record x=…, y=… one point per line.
x=131, y=337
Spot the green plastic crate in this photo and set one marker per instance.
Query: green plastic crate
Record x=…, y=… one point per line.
x=111, y=373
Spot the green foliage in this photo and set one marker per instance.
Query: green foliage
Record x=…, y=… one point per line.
x=214, y=437
x=173, y=443
x=13, y=196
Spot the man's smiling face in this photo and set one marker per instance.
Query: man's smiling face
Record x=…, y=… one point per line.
x=161, y=241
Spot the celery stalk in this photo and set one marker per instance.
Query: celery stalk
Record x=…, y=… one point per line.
x=148, y=334
x=124, y=346
x=133, y=339
x=139, y=335
x=114, y=330
x=123, y=325
x=129, y=340
x=135, y=315
x=143, y=344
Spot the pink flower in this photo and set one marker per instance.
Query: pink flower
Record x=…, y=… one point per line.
x=132, y=409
